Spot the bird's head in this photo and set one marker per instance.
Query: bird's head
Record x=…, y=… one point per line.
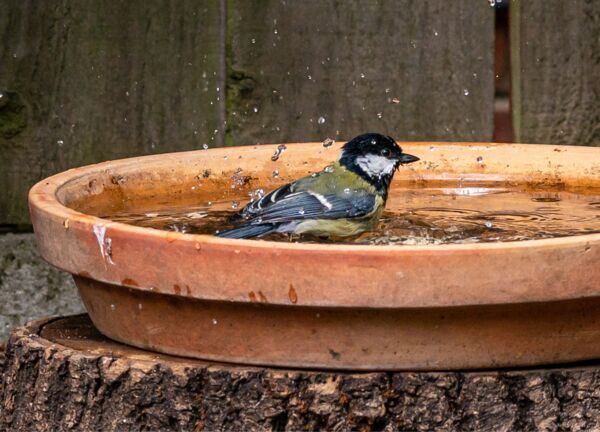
x=374, y=157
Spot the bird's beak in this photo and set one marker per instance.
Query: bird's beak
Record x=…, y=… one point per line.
x=407, y=158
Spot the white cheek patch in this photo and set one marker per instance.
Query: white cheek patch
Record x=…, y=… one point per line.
x=376, y=166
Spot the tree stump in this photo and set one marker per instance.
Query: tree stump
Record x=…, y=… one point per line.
x=61, y=374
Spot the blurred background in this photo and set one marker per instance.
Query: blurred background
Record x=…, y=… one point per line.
x=87, y=81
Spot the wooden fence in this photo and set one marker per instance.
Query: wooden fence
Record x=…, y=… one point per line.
x=85, y=81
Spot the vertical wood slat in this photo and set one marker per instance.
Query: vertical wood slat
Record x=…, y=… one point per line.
x=555, y=68
x=418, y=70
x=86, y=81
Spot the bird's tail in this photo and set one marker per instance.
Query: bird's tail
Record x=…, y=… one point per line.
x=247, y=231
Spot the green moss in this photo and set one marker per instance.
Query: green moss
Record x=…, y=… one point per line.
x=13, y=114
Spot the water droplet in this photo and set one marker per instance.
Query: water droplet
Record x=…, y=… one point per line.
x=373, y=142
x=255, y=109
x=321, y=120
x=205, y=146
x=278, y=151
x=328, y=169
x=235, y=204
x=488, y=224
x=275, y=174
x=214, y=321
x=259, y=193
x=60, y=143
x=139, y=306
x=112, y=307
x=379, y=115
x=275, y=31
x=362, y=75
x=479, y=160
x=328, y=142
x=1, y=95
x=435, y=33
x=253, y=40
x=466, y=92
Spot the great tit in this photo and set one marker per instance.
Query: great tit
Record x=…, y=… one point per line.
x=343, y=200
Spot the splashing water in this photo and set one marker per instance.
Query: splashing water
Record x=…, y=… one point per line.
x=444, y=214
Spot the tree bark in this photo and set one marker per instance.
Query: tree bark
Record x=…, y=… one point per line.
x=61, y=374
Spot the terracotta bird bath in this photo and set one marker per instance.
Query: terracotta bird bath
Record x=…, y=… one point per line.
x=333, y=306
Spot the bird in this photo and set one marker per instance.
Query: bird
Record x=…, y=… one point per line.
x=343, y=200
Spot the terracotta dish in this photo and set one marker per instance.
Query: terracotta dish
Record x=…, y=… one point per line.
x=456, y=306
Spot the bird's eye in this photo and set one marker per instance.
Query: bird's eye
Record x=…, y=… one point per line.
x=385, y=152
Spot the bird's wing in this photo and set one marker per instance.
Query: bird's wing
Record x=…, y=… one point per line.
x=312, y=205
x=256, y=207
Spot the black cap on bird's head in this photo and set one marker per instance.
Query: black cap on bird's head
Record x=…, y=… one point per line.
x=374, y=157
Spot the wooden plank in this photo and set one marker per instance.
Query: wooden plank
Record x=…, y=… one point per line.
x=85, y=81
x=418, y=70
x=555, y=55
